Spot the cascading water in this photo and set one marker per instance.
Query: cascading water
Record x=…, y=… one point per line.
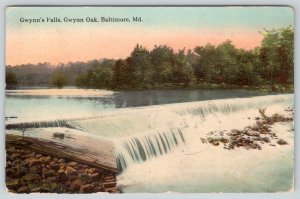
x=141, y=148
x=158, y=148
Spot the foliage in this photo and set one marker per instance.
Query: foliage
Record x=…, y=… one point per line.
x=11, y=79
x=223, y=66
x=59, y=79
x=277, y=55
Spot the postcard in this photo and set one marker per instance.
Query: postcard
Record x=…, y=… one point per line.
x=153, y=99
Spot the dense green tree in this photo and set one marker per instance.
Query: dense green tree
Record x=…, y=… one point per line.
x=59, y=79
x=163, y=60
x=140, y=67
x=11, y=79
x=277, y=55
x=269, y=64
x=182, y=71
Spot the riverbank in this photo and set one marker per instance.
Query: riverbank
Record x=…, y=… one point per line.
x=266, y=88
x=29, y=171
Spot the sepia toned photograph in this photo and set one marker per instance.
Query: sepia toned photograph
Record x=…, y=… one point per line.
x=153, y=99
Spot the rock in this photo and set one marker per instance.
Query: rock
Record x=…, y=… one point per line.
x=61, y=160
x=87, y=188
x=31, y=177
x=91, y=170
x=72, y=164
x=234, y=132
x=72, y=177
x=36, y=169
x=111, y=190
x=62, y=166
x=10, y=150
x=38, y=155
x=32, y=155
x=45, y=159
x=95, y=176
x=70, y=171
x=266, y=139
x=51, y=179
x=75, y=185
x=282, y=142
x=12, y=183
x=15, y=155
x=54, y=165
x=36, y=189
x=61, y=176
x=98, y=187
x=33, y=162
x=252, y=133
x=109, y=184
x=84, y=177
x=23, y=189
x=55, y=159
x=215, y=143
x=48, y=173
x=9, y=171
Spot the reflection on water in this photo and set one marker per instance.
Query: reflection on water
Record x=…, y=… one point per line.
x=43, y=106
x=156, y=97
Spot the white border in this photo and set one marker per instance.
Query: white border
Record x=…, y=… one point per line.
x=3, y=3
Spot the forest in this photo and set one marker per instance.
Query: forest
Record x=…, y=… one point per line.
x=210, y=66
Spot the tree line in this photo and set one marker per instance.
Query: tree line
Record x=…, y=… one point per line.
x=163, y=67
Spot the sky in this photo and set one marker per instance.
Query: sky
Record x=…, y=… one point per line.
x=177, y=27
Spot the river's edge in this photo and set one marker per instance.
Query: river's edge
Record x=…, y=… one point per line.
x=28, y=171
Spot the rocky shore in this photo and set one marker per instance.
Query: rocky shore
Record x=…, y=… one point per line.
x=251, y=137
x=28, y=172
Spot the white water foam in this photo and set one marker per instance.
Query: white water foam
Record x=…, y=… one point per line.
x=151, y=160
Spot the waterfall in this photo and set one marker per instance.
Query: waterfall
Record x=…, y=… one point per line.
x=140, y=148
x=41, y=124
x=227, y=106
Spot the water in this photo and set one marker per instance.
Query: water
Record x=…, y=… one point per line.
x=157, y=134
x=51, y=104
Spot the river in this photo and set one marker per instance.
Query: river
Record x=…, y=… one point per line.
x=157, y=135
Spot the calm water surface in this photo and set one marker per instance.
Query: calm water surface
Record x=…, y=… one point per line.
x=43, y=107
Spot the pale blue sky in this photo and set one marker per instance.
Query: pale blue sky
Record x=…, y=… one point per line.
x=188, y=17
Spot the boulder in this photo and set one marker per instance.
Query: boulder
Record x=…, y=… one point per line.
x=72, y=164
x=48, y=173
x=51, y=179
x=61, y=176
x=31, y=177
x=36, y=169
x=23, y=189
x=282, y=142
x=109, y=184
x=32, y=155
x=252, y=133
x=87, y=188
x=61, y=160
x=95, y=176
x=75, y=185
x=54, y=165
x=12, y=183
x=45, y=159
x=70, y=171
x=36, y=189
x=33, y=162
